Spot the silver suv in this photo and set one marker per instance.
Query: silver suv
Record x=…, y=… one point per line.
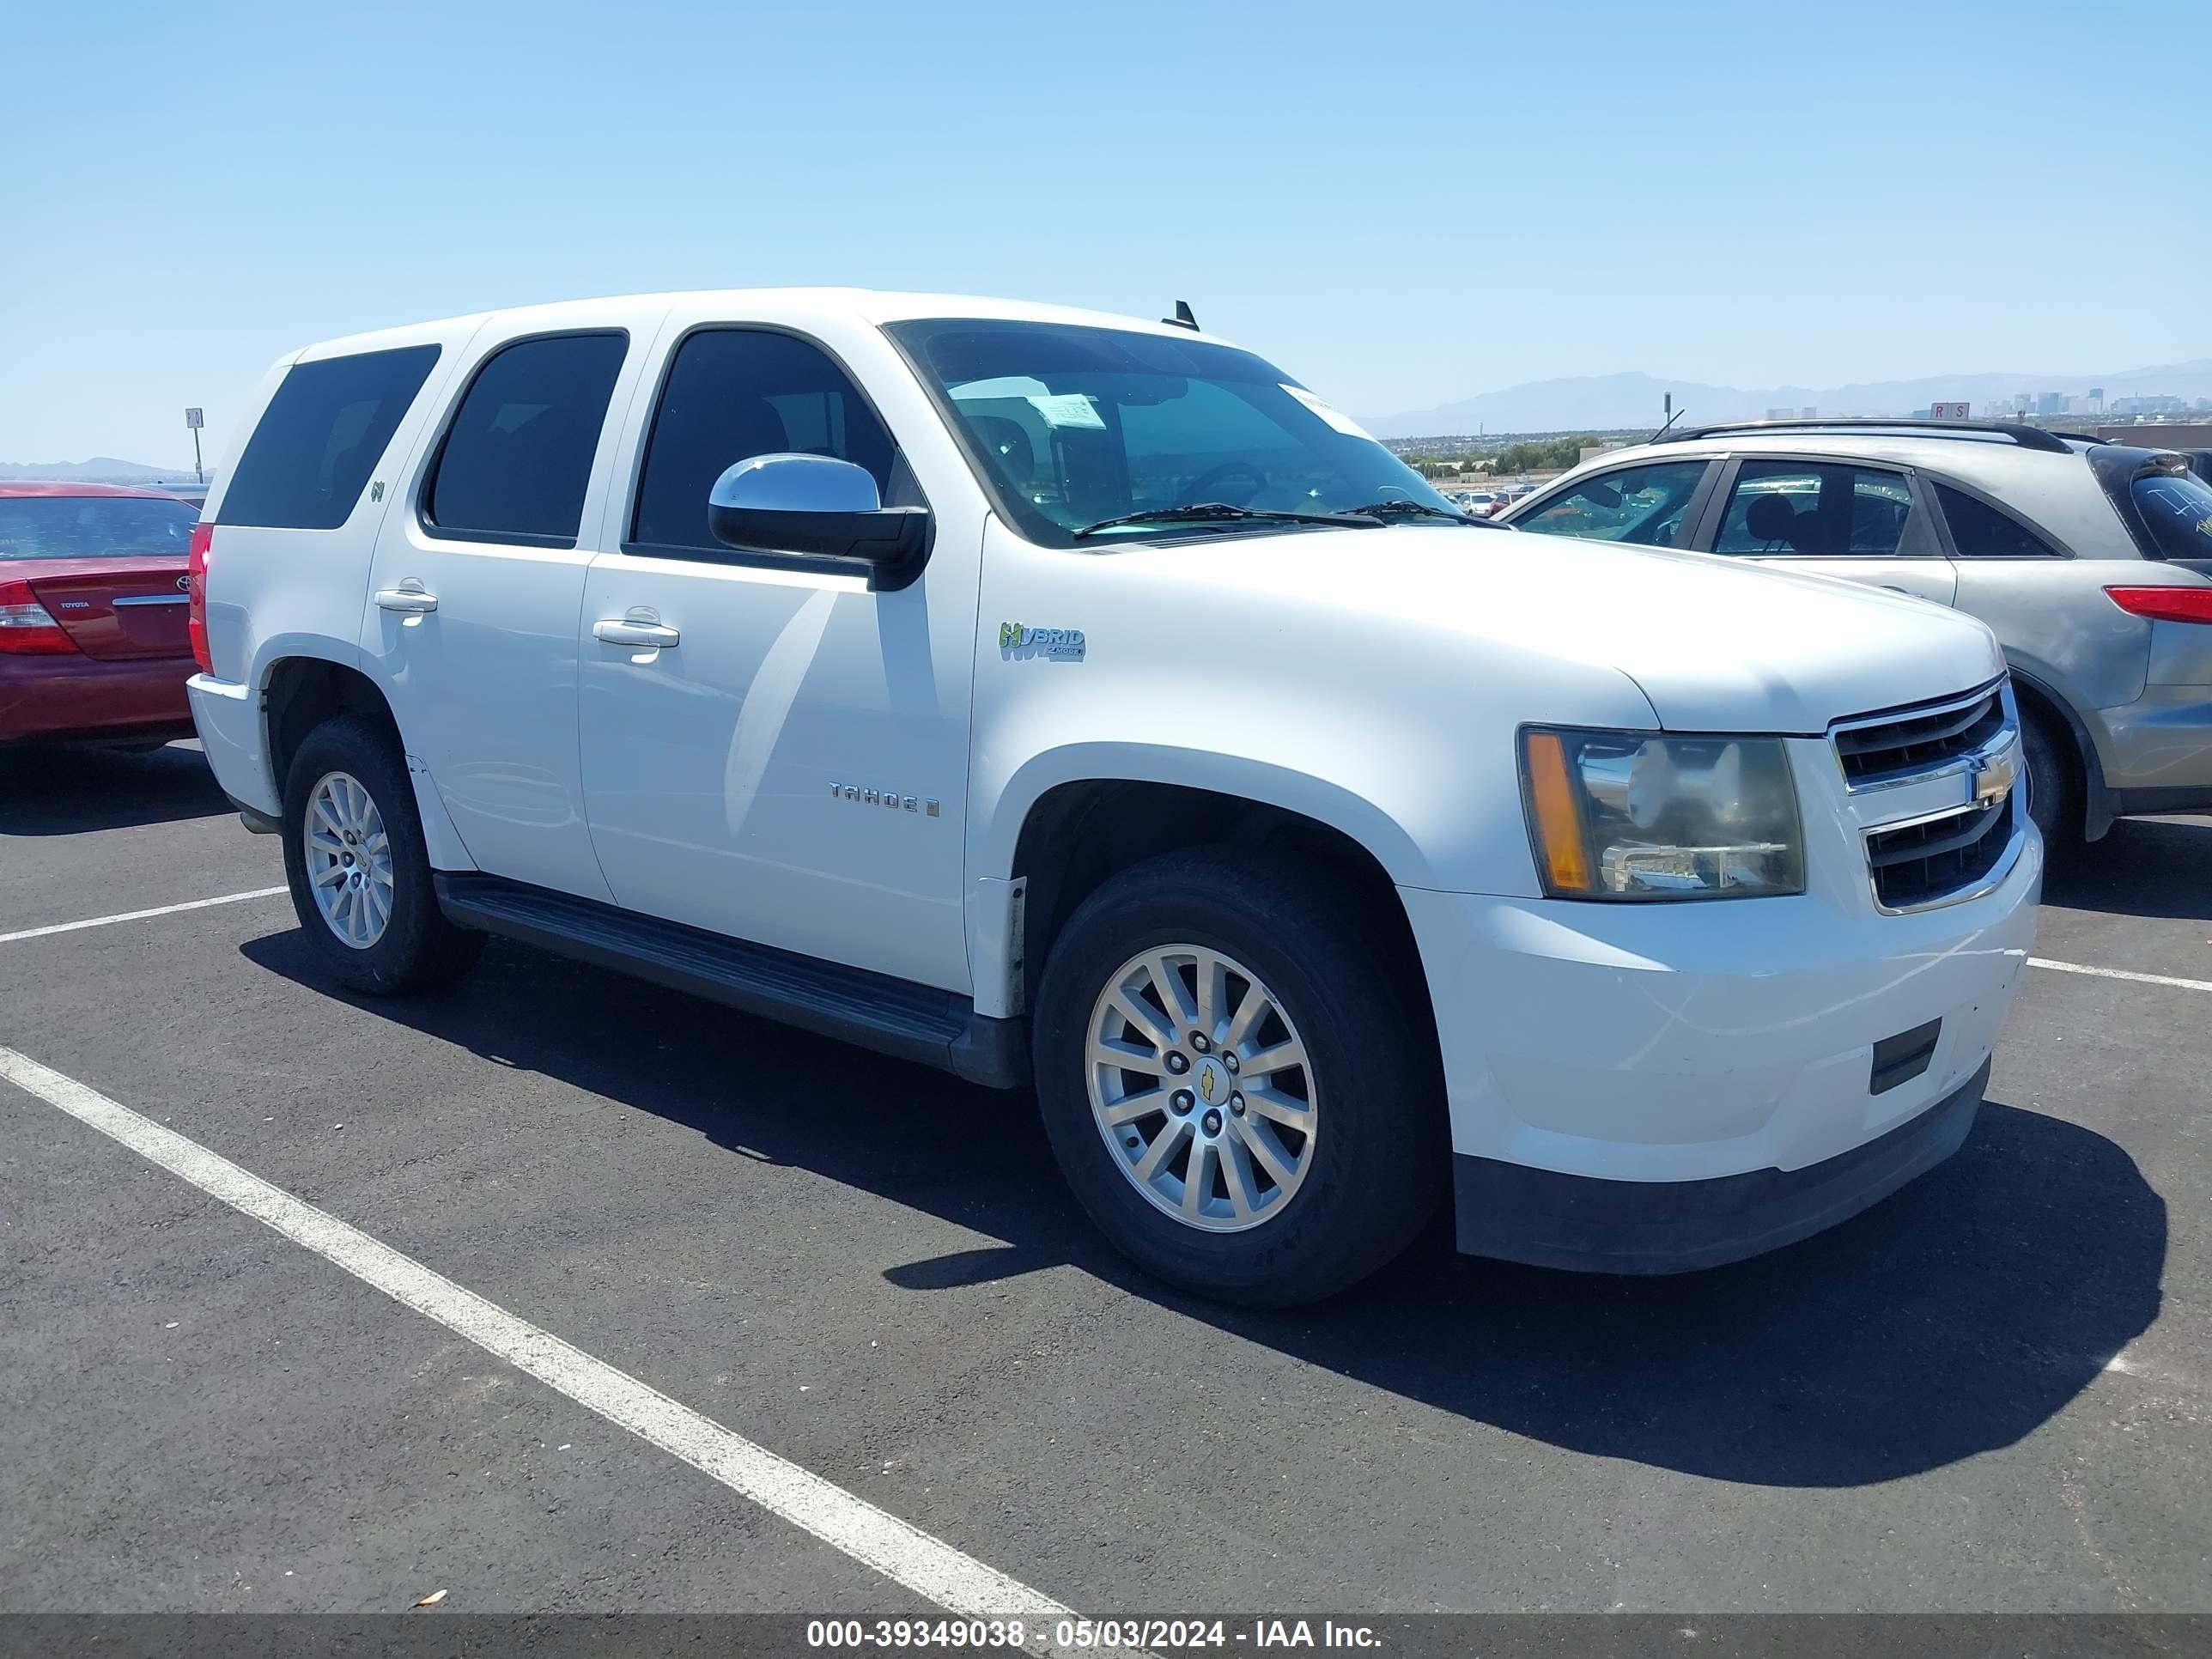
x=2091, y=561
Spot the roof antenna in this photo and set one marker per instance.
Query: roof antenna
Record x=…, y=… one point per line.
x=1182, y=319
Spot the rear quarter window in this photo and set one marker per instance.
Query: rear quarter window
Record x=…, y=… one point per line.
x=1979, y=530
x=322, y=434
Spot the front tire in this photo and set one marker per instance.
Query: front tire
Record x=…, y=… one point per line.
x=359, y=875
x=2054, y=791
x=1238, y=1077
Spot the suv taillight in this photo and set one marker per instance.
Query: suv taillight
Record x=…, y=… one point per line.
x=196, y=570
x=2188, y=605
x=28, y=628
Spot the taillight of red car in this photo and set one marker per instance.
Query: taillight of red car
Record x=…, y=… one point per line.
x=28, y=628
x=196, y=574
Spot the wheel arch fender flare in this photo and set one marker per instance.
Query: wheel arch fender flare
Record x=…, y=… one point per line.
x=2035, y=679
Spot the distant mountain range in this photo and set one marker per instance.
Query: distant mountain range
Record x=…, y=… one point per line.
x=101, y=468
x=1600, y=401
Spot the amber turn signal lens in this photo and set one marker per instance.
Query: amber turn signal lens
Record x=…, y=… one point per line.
x=1557, y=807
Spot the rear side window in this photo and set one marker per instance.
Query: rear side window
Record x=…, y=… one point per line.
x=1823, y=510
x=518, y=453
x=2176, y=510
x=735, y=393
x=1979, y=530
x=320, y=437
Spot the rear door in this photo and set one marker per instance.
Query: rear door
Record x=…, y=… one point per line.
x=1863, y=522
x=469, y=620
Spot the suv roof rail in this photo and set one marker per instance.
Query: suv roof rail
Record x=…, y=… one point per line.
x=2028, y=437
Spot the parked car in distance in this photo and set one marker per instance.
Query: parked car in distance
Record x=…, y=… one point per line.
x=2092, y=562
x=93, y=645
x=1067, y=700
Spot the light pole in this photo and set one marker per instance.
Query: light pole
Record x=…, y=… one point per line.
x=193, y=421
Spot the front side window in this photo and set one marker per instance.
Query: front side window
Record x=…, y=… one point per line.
x=323, y=433
x=734, y=393
x=1072, y=425
x=1640, y=505
x=94, y=526
x=2177, y=508
x=1979, y=530
x=1822, y=510
x=518, y=453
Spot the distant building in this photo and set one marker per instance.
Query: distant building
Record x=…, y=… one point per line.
x=2051, y=402
x=1779, y=414
x=1808, y=413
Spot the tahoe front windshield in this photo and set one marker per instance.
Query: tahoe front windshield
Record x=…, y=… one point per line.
x=1072, y=426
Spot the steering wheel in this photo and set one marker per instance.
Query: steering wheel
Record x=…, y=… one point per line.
x=1201, y=488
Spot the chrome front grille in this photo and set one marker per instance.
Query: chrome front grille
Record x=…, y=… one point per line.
x=1911, y=743
x=1938, y=792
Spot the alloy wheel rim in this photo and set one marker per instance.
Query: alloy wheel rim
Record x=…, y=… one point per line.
x=348, y=860
x=1200, y=1088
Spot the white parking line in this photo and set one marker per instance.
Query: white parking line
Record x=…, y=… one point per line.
x=902, y=1553
x=2121, y=973
x=139, y=915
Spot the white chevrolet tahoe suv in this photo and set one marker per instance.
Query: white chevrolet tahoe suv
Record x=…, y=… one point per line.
x=1065, y=700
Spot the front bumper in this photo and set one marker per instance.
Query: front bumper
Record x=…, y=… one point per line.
x=1686, y=1045
x=56, y=698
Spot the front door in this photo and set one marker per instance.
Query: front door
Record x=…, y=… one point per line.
x=1863, y=523
x=771, y=752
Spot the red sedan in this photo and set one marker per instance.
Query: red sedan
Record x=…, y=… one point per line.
x=93, y=603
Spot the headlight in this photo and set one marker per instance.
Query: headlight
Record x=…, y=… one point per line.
x=1623, y=815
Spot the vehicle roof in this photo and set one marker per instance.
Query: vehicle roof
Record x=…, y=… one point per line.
x=781, y=304
x=2057, y=493
x=63, y=487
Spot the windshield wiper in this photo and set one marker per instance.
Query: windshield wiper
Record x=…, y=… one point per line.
x=1223, y=513
x=1384, y=509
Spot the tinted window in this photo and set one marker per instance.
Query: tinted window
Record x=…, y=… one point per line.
x=92, y=527
x=520, y=451
x=325, y=430
x=1979, y=530
x=733, y=393
x=1779, y=507
x=2177, y=508
x=1641, y=505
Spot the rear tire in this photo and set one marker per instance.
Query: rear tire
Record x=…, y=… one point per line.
x=1286, y=1215
x=351, y=829
x=2054, y=787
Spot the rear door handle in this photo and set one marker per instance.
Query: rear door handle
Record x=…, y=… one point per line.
x=408, y=601
x=615, y=630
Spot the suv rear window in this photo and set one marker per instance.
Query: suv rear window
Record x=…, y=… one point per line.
x=321, y=435
x=2176, y=510
x=518, y=453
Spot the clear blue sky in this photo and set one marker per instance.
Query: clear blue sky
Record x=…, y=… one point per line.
x=1401, y=204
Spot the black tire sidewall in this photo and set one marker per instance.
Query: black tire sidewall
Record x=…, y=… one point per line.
x=1381, y=1148
x=417, y=945
x=2052, y=799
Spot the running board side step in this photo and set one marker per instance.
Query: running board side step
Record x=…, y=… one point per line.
x=872, y=1011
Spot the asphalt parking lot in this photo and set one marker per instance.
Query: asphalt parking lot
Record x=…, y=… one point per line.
x=1993, y=1392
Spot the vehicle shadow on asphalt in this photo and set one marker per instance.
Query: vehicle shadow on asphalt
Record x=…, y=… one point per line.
x=1954, y=1318
x=2143, y=867
x=70, y=791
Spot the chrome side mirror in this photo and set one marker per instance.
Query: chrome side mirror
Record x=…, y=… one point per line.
x=818, y=508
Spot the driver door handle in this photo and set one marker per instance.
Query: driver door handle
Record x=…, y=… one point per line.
x=408, y=601
x=617, y=630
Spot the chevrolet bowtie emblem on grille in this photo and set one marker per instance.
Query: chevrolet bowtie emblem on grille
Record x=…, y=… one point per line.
x=1994, y=774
